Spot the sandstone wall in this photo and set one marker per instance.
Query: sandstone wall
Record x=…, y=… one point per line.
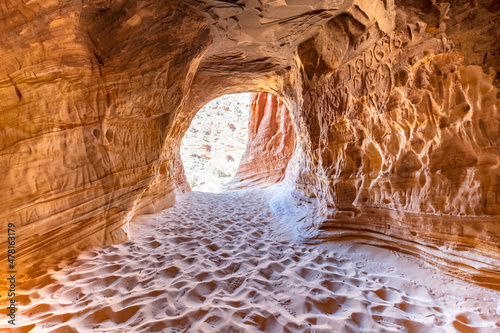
x=402, y=123
x=87, y=93
x=402, y=128
x=271, y=143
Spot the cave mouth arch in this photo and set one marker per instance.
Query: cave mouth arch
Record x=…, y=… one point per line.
x=212, y=147
x=238, y=140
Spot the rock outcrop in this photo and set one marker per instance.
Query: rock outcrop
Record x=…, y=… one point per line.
x=401, y=135
x=270, y=145
x=394, y=105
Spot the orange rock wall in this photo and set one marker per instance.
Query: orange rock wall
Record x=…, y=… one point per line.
x=402, y=131
x=88, y=91
x=413, y=130
x=271, y=143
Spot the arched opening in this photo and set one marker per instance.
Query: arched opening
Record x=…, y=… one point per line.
x=238, y=140
x=215, y=142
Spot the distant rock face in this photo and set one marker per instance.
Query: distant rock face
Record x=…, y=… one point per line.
x=394, y=105
x=271, y=143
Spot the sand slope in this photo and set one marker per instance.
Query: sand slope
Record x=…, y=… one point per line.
x=223, y=263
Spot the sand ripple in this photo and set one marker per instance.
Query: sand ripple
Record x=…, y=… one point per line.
x=222, y=263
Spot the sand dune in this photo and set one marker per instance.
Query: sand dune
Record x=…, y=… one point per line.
x=224, y=263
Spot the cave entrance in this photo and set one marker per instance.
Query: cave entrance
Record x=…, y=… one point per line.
x=239, y=141
x=212, y=147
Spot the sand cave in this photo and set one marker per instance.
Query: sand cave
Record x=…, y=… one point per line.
x=367, y=198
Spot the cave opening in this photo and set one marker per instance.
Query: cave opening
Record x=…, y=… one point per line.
x=238, y=141
x=213, y=145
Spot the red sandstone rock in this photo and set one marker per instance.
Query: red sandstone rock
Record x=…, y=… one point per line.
x=271, y=142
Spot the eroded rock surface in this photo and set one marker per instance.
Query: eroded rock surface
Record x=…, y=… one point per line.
x=270, y=145
x=395, y=108
x=402, y=132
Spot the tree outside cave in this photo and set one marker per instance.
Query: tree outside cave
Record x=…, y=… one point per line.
x=211, y=149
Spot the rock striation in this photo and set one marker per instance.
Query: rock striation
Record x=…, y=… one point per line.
x=270, y=145
x=87, y=91
x=402, y=135
x=394, y=106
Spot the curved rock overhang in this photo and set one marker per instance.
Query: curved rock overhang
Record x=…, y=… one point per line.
x=395, y=106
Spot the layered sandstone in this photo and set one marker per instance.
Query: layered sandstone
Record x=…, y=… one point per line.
x=270, y=145
x=394, y=105
x=88, y=93
x=402, y=136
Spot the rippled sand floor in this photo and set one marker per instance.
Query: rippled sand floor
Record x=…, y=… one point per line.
x=223, y=263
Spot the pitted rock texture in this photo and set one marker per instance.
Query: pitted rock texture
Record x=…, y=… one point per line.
x=401, y=134
x=270, y=145
x=395, y=108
